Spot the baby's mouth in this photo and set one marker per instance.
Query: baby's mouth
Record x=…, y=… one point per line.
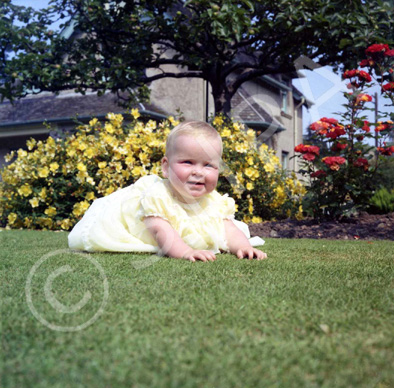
x=196, y=183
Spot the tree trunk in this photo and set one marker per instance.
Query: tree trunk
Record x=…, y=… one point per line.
x=222, y=95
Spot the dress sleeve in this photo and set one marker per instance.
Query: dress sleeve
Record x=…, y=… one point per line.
x=156, y=202
x=225, y=205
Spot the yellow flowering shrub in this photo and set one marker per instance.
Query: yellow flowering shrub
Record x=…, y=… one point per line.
x=253, y=176
x=52, y=183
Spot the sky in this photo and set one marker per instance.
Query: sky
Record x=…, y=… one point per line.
x=322, y=86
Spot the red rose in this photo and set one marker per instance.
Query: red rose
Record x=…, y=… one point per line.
x=381, y=126
x=376, y=49
x=334, y=161
x=349, y=73
x=338, y=146
x=389, y=53
x=360, y=74
x=388, y=87
x=318, y=174
x=388, y=151
x=366, y=127
x=329, y=121
x=320, y=127
x=299, y=148
x=307, y=149
x=364, y=75
x=361, y=162
x=336, y=131
x=367, y=63
x=308, y=156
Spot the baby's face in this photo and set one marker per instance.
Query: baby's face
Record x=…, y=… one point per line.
x=192, y=168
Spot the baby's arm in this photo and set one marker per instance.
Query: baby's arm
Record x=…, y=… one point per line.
x=238, y=243
x=171, y=243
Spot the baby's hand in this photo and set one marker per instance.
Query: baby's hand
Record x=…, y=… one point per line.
x=250, y=253
x=194, y=255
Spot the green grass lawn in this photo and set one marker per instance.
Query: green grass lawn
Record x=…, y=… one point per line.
x=317, y=313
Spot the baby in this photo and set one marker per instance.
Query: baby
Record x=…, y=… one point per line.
x=182, y=216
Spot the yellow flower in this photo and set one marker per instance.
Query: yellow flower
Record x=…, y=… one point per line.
x=135, y=113
x=25, y=190
x=91, y=181
x=43, y=172
x=12, y=218
x=137, y=171
x=93, y=122
x=241, y=147
x=226, y=132
x=27, y=222
x=102, y=164
x=9, y=156
x=43, y=193
x=22, y=153
x=81, y=176
x=237, y=127
x=50, y=211
x=81, y=167
x=109, y=190
x=250, y=160
x=80, y=208
x=89, y=153
x=54, y=166
x=82, y=146
x=256, y=220
x=250, y=186
x=71, y=152
x=218, y=120
x=144, y=158
x=173, y=121
x=268, y=167
x=66, y=224
x=130, y=160
x=299, y=216
x=250, y=134
x=34, y=202
x=109, y=128
x=45, y=222
x=31, y=144
x=252, y=173
x=90, y=196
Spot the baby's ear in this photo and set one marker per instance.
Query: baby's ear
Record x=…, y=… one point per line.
x=164, y=166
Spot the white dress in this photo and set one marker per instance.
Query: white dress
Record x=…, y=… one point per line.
x=115, y=222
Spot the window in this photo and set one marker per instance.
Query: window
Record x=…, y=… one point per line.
x=285, y=160
x=284, y=107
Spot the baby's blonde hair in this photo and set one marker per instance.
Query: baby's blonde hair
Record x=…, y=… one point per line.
x=197, y=129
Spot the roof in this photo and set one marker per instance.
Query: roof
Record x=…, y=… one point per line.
x=65, y=106
x=26, y=116
x=246, y=109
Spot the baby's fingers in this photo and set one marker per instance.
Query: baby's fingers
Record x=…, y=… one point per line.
x=250, y=253
x=260, y=255
x=204, y=256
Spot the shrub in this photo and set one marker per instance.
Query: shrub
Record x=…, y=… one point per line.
x=341, y=169
x=52, y=183
x=382, y=201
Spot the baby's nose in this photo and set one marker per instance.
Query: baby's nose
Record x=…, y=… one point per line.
x=198, y=170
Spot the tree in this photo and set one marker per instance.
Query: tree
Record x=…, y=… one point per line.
x=224, y=42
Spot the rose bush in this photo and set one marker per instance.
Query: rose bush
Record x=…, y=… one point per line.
x=52, y=183
x=339, y=165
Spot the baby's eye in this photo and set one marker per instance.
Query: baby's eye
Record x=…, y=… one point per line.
x=210, y=165
x=186, y=162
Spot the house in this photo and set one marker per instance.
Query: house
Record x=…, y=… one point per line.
x=271, y=106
